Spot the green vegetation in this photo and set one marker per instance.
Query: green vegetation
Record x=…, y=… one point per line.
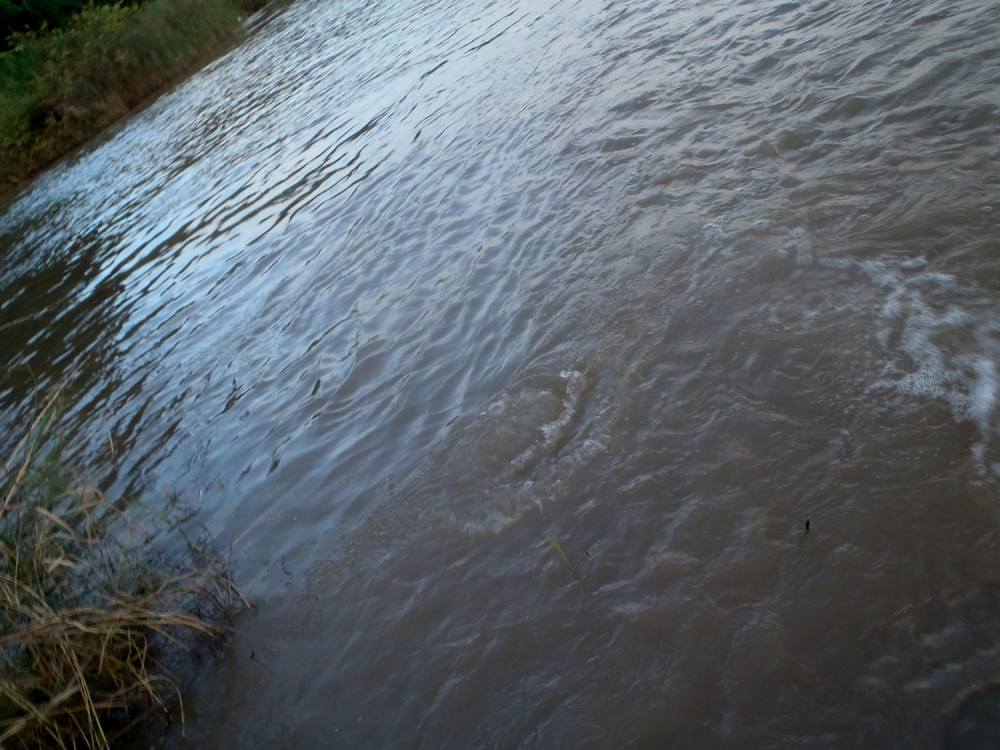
x=95, y=597
x=59, y=86
x=28, y=15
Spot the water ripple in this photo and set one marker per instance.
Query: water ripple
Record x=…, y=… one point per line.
x=397, y=292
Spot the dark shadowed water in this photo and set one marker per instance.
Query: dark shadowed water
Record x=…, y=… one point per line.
x=413, y=300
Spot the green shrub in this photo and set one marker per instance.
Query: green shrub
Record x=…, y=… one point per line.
x=31, y=15
x=60, y=87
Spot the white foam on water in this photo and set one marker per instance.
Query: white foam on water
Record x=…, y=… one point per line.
x=508, y=504
x=801, y=245
x=553, y=432
x=984, y=393
x=913, y=264
x=937, y=349
x=934, y=375
x=496, y=409
x=517, y=496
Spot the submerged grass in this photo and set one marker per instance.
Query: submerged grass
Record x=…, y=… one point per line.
x=60, y=87
x=93, y=605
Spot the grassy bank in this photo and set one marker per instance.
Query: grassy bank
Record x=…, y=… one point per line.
x=95, y=599
x=58, y=88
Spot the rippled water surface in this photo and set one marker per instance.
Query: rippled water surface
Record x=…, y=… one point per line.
x=514, y=343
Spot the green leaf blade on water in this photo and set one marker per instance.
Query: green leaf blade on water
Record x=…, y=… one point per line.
x=554, y=543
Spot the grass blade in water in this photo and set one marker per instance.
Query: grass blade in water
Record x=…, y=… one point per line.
x=562, y=555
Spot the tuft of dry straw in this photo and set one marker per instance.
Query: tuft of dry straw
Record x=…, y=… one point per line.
x=91, y=606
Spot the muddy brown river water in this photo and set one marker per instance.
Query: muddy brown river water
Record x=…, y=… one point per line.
x=515, y=343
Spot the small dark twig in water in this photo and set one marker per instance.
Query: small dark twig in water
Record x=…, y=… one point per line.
x=253, y=657
x=805, y=532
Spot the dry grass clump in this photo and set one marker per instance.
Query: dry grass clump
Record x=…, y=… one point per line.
x=92, y=604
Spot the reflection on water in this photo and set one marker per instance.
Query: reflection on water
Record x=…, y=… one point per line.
x=397, y=291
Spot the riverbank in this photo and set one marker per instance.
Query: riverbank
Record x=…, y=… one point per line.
x=60, y=88
x=96, y=596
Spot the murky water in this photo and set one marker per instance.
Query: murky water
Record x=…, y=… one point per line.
x=414, y=299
